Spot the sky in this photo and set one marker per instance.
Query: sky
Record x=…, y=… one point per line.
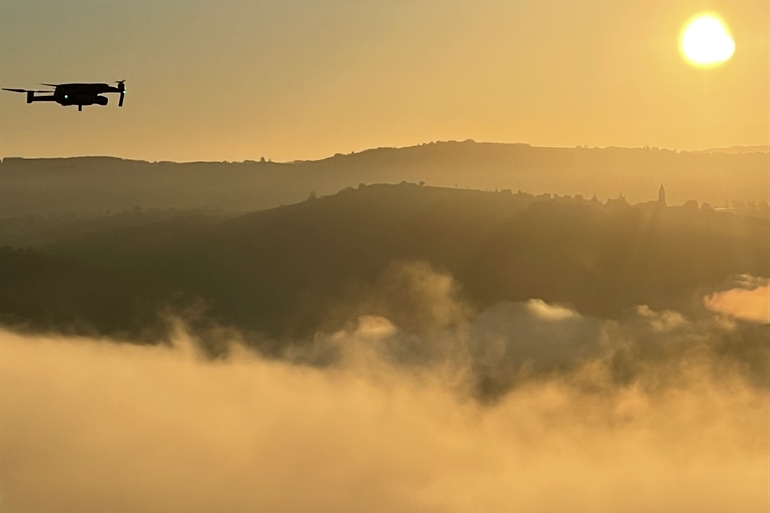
x=304, y=79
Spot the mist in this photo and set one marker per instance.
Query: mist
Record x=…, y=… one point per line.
x=355, y=256
x=749, y=300
x=525, y=406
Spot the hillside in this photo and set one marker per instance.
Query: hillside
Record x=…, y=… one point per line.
x=315, y=265
x=764, y=148
x=95, y=185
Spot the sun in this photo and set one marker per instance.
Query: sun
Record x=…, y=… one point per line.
x=706, y=42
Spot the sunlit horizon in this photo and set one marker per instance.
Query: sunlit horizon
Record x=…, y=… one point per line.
x=241, y=80
x=385, y=255
x=734, y=148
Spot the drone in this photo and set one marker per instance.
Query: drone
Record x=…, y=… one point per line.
x=76, y=94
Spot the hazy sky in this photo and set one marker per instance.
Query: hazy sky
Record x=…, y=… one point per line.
x=297, y=79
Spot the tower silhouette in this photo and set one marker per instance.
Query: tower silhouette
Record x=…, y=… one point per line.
x=662, y=196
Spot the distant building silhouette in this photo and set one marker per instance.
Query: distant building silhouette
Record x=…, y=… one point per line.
x=617, y=203
x=661, y=196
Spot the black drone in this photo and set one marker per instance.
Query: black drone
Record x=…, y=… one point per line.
x=76, y=94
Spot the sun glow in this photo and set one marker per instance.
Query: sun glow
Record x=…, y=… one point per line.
x=706, y=41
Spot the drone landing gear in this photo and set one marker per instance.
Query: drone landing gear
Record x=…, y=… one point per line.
x=80, y=108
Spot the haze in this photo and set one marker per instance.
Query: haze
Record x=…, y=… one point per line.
x=236, y=80
x=396, y=256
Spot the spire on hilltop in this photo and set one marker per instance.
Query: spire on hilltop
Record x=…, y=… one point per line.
x=662, y=196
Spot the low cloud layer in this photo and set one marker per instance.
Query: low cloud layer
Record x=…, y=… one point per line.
x=418, y=405
x=92, y=426
x=749, y=301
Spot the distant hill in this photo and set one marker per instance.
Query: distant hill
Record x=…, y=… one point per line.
x=739, y=149
x=293, y=270
x=94, y=185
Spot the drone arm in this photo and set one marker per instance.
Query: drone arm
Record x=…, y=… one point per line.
x=122, y=90
x=31, y=94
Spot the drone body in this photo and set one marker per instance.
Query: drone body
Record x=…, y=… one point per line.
x=76, y=94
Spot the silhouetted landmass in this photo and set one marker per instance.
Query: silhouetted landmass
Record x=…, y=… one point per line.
x=35, y=231
x=762, y=148
x=94, y=185
x=290, y=271
x=53, y=292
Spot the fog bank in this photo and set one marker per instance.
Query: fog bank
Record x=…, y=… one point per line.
x=93, y=426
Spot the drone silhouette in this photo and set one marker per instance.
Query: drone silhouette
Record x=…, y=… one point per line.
x=76, y=94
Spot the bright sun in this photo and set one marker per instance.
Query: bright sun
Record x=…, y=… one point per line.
x=706, y=42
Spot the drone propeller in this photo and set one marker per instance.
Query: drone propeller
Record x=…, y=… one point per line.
x=122, y=89
x=24, y=90
x=51, y=85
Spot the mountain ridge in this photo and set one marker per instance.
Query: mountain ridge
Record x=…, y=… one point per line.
x=313, y=265
x=98, y=184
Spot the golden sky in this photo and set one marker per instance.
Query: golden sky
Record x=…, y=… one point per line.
x=301, y=79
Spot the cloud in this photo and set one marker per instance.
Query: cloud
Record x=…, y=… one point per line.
x=662, y=322
x=90, y=425
x=750, y=301
x=550, y=312
x=418, y=404
x=417, y=297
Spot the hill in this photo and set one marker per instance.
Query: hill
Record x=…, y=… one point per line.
x=94, y=185
x=764, y=148
x=290, y=271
